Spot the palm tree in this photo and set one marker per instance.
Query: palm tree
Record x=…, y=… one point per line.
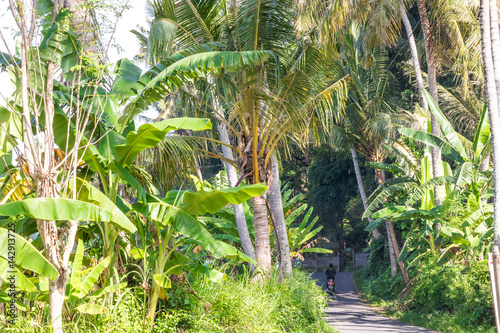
x=370, y=115
x=491, y=64
x=259, y=108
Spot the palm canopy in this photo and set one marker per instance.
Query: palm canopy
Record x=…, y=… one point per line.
x=371, y=113
x=286, y=94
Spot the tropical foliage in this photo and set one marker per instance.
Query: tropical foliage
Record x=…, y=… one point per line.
x=106, y=212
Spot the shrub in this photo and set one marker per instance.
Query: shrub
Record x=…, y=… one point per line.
x=239, y=305
x=466, y=293
x=449, y=291
x=236, y=305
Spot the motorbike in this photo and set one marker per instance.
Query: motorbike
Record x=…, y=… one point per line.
x=330, y=283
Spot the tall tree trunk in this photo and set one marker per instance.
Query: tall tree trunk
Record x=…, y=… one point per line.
x=432, y=64
x=490, y=54
x=379, y=178
x=262, y=243
x=279, y=220
x=414, y=56
x=232, y=177
x=361, y=188
x=83, y=25
x=491, y=59
x=395, y=248
x=392, y=253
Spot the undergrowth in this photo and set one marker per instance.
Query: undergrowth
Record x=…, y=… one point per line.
x=239, y=304
x=444, y=298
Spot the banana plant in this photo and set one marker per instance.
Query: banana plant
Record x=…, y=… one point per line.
x=300, y=238
x=19, y=261
x=80, y=294
x=175, y=224
x=119, y=145
x=466, y=181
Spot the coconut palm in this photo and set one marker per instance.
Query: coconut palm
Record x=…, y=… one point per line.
x=449, y=29
x=261, y=107
x=371, y=115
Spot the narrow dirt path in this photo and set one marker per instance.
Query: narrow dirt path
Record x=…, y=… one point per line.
x=349, y=314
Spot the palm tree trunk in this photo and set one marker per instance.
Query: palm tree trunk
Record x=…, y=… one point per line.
x=392, y=253
x=432, y=63
x=491, y=58
x=232, y=177
x=414, y=56
x=279, y=220
x=395, y=248
x=361, y=188
x=83, y=25
x=490, y=54
x=379, y=178
x=262, y=243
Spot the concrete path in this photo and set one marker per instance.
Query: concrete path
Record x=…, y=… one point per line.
x=349, y=314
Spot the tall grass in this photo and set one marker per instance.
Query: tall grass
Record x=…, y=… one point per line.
x=448, y=298
x=239, y=304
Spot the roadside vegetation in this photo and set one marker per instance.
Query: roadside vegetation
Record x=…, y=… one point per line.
x=445, y=299
x=200, y=305
x=171, y=191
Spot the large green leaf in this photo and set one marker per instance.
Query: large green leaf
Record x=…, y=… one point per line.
x=316, y=250
x=179, y=262
x=161, y=38
x=233, y=253
x=198, y=64
x=75, y=281
x=385, y=166
x=8, y=272
x=448, y=131
x=432, y=140
x=211, y=201
x=25, y=255
x=91, y=278
x=149, y=135
x=50, y=209
x=89, y=193
x=482, y=133
x=446, y=256
x=127, y=77
x=465, y=174
x=374, y=224
x=388, y=211
x=162, y=280
x=184, y=223
x=423, y=188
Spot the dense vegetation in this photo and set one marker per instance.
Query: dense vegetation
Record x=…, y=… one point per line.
x=281, y=129
x=444, y=298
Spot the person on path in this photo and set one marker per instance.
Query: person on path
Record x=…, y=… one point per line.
x=330, y=275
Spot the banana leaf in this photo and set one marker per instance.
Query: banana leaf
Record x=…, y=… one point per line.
x=149, y=135
x=25, y=255
x=50, y=209
x=446, y=128
x=211, y=201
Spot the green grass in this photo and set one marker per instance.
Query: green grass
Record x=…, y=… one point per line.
x=434, y=320
x=238, y=305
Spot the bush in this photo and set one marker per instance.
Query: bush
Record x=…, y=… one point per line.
x=448, y=298
x=466, y=293
x=239, y=305
x=236, y=305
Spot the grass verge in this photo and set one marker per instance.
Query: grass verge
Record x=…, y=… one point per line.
x=396, y=308
x=238, y=305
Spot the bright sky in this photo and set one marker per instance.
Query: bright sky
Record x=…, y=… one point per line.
x=133, y=17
